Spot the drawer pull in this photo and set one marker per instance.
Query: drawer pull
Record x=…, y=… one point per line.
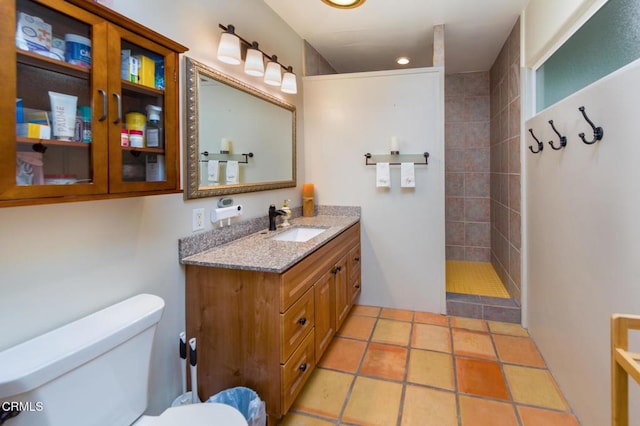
x=357, y=259
x=302, y=321
x=357, y=286
x=335, y=270
x=303, y=367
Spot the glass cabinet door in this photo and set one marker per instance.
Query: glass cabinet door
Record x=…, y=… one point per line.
x=57, y=137
x=142, y=145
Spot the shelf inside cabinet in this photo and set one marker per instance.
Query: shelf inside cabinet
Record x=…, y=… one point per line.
x=147, y=150
x=139, y=88
x=53, y=142
x=39, y=61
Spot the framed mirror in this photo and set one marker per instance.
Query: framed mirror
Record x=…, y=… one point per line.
x=238, y=138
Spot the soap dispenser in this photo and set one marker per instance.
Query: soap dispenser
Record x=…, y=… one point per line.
x=285, y=208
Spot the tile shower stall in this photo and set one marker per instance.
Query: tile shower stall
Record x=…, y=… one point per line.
x=482, y=179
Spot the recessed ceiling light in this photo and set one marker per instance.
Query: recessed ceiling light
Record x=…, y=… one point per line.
x=403, y=60
x=344, y=4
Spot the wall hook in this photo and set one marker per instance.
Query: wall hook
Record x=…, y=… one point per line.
x=540, y=144
x=598, y=132
x=563, y=139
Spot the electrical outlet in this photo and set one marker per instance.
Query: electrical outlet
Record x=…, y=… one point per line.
x=198, y=219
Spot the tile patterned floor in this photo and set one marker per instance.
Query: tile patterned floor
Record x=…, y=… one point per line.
x=392, y=367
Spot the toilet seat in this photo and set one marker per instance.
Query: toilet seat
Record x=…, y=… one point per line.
x=206, y=414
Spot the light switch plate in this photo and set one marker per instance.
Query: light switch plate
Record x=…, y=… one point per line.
x=198, y=219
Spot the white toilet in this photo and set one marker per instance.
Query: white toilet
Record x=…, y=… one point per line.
x=95, y=371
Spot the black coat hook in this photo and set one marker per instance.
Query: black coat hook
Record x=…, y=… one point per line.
x=598, y=132
x=563, y=139
x=540, y=144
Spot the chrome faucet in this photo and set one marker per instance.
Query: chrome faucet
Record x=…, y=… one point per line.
x=273, y=213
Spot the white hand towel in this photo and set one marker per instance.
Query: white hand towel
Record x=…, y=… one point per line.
x=382, y=175
x=407, y=175
x=213, y=166
x=232, y=172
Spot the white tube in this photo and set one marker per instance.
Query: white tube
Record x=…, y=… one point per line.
x=183, y=363
x=63, y=110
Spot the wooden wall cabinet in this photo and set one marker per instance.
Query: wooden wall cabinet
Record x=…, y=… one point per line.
x=267, y=330
x=36, y=169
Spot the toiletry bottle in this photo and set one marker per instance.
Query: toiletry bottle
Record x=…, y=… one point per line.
x=285, y=208
x=85, y=113
x=153, y=130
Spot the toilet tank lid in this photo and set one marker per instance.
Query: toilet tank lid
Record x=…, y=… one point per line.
x=37, y=361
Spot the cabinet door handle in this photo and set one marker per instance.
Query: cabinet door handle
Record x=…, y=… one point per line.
x=339, y=268
x=119, y=103
x=303, y=367
x=302, y=321
x=357, y=286
x=335, y=270
x=357, y=259
x=104, y=105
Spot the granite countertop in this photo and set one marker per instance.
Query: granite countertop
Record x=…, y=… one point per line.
x=258, y=252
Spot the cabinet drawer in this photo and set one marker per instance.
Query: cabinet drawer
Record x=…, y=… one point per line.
x=300, y=277
x=295, y=324
x=297, y=370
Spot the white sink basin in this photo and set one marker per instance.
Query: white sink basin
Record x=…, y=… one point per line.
x=298, y=234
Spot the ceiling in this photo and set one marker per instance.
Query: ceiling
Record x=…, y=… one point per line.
x=371, y=37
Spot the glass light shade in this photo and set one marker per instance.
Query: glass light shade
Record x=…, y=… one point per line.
x=272, y=75
x=289, y=84
x=254, y=63
x=229, y=49
x=344, y=4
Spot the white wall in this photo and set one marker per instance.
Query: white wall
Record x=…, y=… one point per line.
x=348, y=115
x=548, y=23
x=61, y=262
x=584, y=238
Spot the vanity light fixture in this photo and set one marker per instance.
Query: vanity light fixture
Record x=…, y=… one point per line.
x=229, y=47
x=289, y=84
x=344, y=4
x=254, y=61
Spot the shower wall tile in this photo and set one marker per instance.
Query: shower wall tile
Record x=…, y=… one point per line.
x=476, y=160
x=454, y=233
x=515, y=228
x=477, y=209
x=455, y=135
x=514, y=118
x=515, y=197
x=454, y=160
x=455, y=252
x=477, y=184
x=515, y=265
x=478, y=234
x=455, y=184
x=454, y=85
x=504, y=124
x=454, y=209
x=514, y=155
x=477, y=108
x=477, y=254
x=513, y=81
x=454, y=109
x=476, y=83
x=478, y=135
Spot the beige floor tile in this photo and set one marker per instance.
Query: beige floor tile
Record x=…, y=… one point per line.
x=295, y=419
x=385, y=362
x=324, y=394
x=428, y=407
x=431, y=337
x=471, y=343
x=357, y=327
x=343, y=354
x=485, y=412
x=367, y=311
x=469, y=323
x=507, y=328
x=533, y=386
x=396, y=314
x=393, y=332
x=536, y=416
x=373, y=402
x=431, y=318
x=518, y=350
x=431, y=369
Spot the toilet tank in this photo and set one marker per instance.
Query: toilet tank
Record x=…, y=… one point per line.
x=93, y=371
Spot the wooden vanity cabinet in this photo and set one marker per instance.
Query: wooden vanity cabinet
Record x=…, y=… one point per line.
x=267, y=331
x=37, y=168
